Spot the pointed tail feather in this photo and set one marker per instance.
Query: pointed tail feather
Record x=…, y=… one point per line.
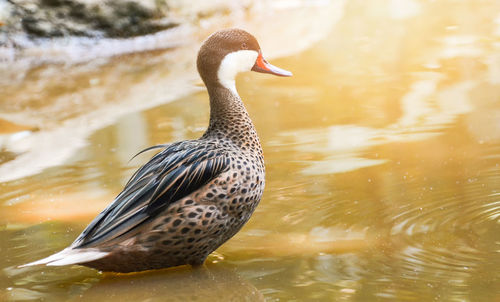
x=69, y=256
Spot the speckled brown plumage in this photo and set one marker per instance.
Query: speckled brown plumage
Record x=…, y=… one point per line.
x=189, y=229
x=192, y=196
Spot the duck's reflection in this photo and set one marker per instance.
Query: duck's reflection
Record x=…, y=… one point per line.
x=208, y=283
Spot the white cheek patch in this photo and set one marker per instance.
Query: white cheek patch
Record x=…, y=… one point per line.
x=234, y=63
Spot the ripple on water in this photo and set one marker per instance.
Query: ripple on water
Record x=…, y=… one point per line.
x=450, y=236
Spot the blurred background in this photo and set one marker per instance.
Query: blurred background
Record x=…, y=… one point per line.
x=382, y=151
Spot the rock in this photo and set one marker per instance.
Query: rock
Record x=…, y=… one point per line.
x=63, y=18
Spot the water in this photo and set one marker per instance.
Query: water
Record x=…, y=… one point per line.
x=383, y=173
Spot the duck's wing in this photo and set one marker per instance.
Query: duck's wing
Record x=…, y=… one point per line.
x=173, y=173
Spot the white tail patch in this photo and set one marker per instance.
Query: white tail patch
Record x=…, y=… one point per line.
x=69, y=256
x=234, y=63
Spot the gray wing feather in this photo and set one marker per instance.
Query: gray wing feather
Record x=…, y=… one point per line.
x=170, y=175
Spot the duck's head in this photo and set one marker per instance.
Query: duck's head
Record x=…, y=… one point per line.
x=226, y=53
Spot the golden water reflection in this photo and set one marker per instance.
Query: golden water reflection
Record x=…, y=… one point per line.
x=383, y=164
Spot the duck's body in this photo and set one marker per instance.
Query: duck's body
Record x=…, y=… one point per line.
x=190, y=228
x=193, y=195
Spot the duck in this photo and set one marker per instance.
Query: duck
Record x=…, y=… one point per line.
x=193, y=195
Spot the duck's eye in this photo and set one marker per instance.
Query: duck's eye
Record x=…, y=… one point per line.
x=244, y=45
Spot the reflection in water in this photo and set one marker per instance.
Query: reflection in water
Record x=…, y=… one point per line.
x=212, y=283
x=205, y=284
x=383, y=171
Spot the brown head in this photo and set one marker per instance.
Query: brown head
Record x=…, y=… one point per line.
x=230, y=51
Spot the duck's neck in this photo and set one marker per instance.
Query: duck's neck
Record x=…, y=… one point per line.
x=229, y=119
